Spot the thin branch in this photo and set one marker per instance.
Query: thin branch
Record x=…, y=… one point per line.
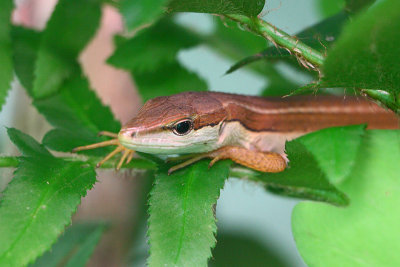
x=307, y=56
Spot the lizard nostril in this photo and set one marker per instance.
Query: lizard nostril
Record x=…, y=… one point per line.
x=133, y=134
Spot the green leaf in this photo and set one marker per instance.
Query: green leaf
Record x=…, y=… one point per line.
x=78, y=116
x=137, y=13
x=74, y=247
x=39, y=202
x=168, y=80
x=329, y=8
x=238, y=249
x=6, y=66
x=153, y=47
x=335, y=149
x=303, y=178
x=27, y=145
x=367, y=231
x=182, y=223
x=249, y=8
x=353, y=6
x=26, y=43
x=367, y=55
x=71, y=26
x=231, y=41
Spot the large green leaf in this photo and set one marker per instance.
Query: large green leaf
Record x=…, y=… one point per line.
x=72, y=24
x=366, y=233
x=335, y=149
x=6, y=66
x=39, y=202
x=152, y=47
x=366, y=55
x=75, y=111
x=74, y=247
x=241, y=7
x=182, y=223
x=78, y=116
x=137, y=13
x=26, y=43
x=167, y=80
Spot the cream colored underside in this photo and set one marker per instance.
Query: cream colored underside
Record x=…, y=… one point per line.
x=233, y=133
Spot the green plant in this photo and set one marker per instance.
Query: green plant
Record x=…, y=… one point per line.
x=350, y=167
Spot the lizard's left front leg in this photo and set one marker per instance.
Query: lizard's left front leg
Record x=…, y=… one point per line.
x=257, y=160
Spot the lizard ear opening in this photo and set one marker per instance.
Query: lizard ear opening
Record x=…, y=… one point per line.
x=183, y=127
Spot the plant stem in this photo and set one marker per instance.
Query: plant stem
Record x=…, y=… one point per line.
x=313, y=58
x=8, y=161
x=137, y=163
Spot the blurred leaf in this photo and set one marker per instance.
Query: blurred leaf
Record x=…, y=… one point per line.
x=26, y=43
x=237, y=250
x=303, y=178
x=153, y=47
x=319, y=36
x=335, y=149
x=168, y=80
x=72, y=24
x=39, y=202
x=353, y=6
x=137, y=13
x=234, y=42
x=6, y=66
x=249, y=8
x=367, y=55
x=367, y=231
x=74, y=247
x=182, y=223
x=78, y=116
x=329, y=8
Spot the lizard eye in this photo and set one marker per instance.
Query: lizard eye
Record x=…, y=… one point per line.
x=183, y=127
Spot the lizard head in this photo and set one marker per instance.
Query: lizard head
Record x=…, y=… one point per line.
x=184, y=123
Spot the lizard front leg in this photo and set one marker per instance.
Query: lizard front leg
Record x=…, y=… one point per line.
x=126, y=156
x=257, y=160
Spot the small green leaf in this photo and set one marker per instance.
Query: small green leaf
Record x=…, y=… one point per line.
x=153, y=47
x=74, y=247
x=249, y=8
x=303, y=178
x=335, y=149
x=26, y=43
x=26, y=144
x=39, y=202
x=168, y=80
x=366, y=233
x=137, y=13
x=6, y=66
x=182, y=223
x=367, y=55
x=72, y=24
x=78, y=116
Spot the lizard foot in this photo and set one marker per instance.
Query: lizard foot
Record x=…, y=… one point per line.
x=126, y=156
